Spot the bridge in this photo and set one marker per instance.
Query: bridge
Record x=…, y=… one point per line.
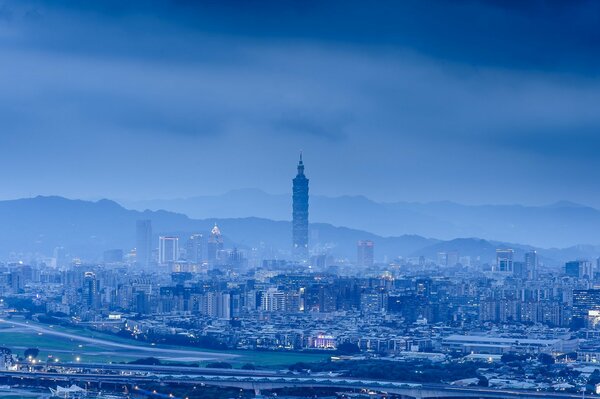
x=245, y=380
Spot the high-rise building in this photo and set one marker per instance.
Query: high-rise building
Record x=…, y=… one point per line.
x=442, y=259
x=531, y=264
x=215, y=244
x=365, y=253
x=60, y=257
x=579, y=269
x=195, y=248
x=586, y=305
x=143, y=244
x=452, y=258
x=91, y=290
x=520, y=269
x=300, y=213
x=504, y=260
x=113, y=256
x=168, y=249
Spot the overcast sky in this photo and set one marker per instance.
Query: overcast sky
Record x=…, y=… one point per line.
x=470, y=101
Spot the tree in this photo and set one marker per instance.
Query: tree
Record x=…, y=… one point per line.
x=546, y=359
x=151, y=361
x=348, y=348
x=594, y=378
x=31, y=352
x=509, y=357
x=219, y=365
x=483, y=382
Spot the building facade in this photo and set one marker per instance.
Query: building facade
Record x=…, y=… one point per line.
x=300, y=213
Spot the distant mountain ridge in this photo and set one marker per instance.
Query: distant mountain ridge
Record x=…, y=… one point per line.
x=87, y=228
x=561, y=224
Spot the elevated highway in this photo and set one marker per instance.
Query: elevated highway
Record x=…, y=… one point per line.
x=258, y=383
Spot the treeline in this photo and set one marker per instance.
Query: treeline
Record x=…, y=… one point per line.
x=418, y=371
x=205, y=342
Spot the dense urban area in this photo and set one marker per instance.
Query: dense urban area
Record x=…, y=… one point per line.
x=189, y=303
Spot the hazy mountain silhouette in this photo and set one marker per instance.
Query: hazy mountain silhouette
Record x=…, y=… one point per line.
x=86, y=229
x=560, y=224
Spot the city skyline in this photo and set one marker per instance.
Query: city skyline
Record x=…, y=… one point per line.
x=160, y=236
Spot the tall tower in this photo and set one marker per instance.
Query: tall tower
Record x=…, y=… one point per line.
x=143, y=240
x=215, y=245
x=195, y=248
x=531, y=264
x=365, y=253
x=300, y=212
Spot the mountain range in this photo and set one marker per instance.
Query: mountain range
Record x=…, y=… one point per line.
x=561, y=224
x=87, y=228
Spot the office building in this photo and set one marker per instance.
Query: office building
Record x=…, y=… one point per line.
x=215, y=245
x=300, y=213
x=531, y=264
x=586, y=306
x=195, y=248
x=113, y=256
x=91, y=290
x=143, y=242
x=168, y=249
x=579, y=269
x=365, y=253
x=504, y=260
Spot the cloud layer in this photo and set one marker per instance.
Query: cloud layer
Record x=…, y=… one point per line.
x=470, y=101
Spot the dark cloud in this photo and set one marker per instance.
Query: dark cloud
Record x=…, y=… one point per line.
x=546, y=35
x=418, y=100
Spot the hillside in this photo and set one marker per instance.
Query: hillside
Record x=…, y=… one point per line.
x=562, y=224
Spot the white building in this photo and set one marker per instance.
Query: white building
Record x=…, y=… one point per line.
x=168, y=249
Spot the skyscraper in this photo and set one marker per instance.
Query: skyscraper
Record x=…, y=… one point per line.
x=215, y=244
x=531, y=264
x=143, y=244
x=579, y=269
x=90, y=290
x=300, y=213
x=168, y=249
x=365, y=253
x=195, y=248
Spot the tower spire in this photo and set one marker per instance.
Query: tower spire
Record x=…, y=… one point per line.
x=300, y=165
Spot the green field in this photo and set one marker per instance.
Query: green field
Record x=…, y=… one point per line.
x=71, y=349
x=273, y=359
x=58, y=347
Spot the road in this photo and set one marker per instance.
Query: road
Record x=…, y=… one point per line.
x=227, y=378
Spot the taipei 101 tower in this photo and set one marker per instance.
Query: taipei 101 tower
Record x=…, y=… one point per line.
x=300, y=213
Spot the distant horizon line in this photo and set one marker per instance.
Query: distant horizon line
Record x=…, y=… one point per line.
x=557, y=203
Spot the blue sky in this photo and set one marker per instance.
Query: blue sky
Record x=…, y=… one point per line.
x=470, y=101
